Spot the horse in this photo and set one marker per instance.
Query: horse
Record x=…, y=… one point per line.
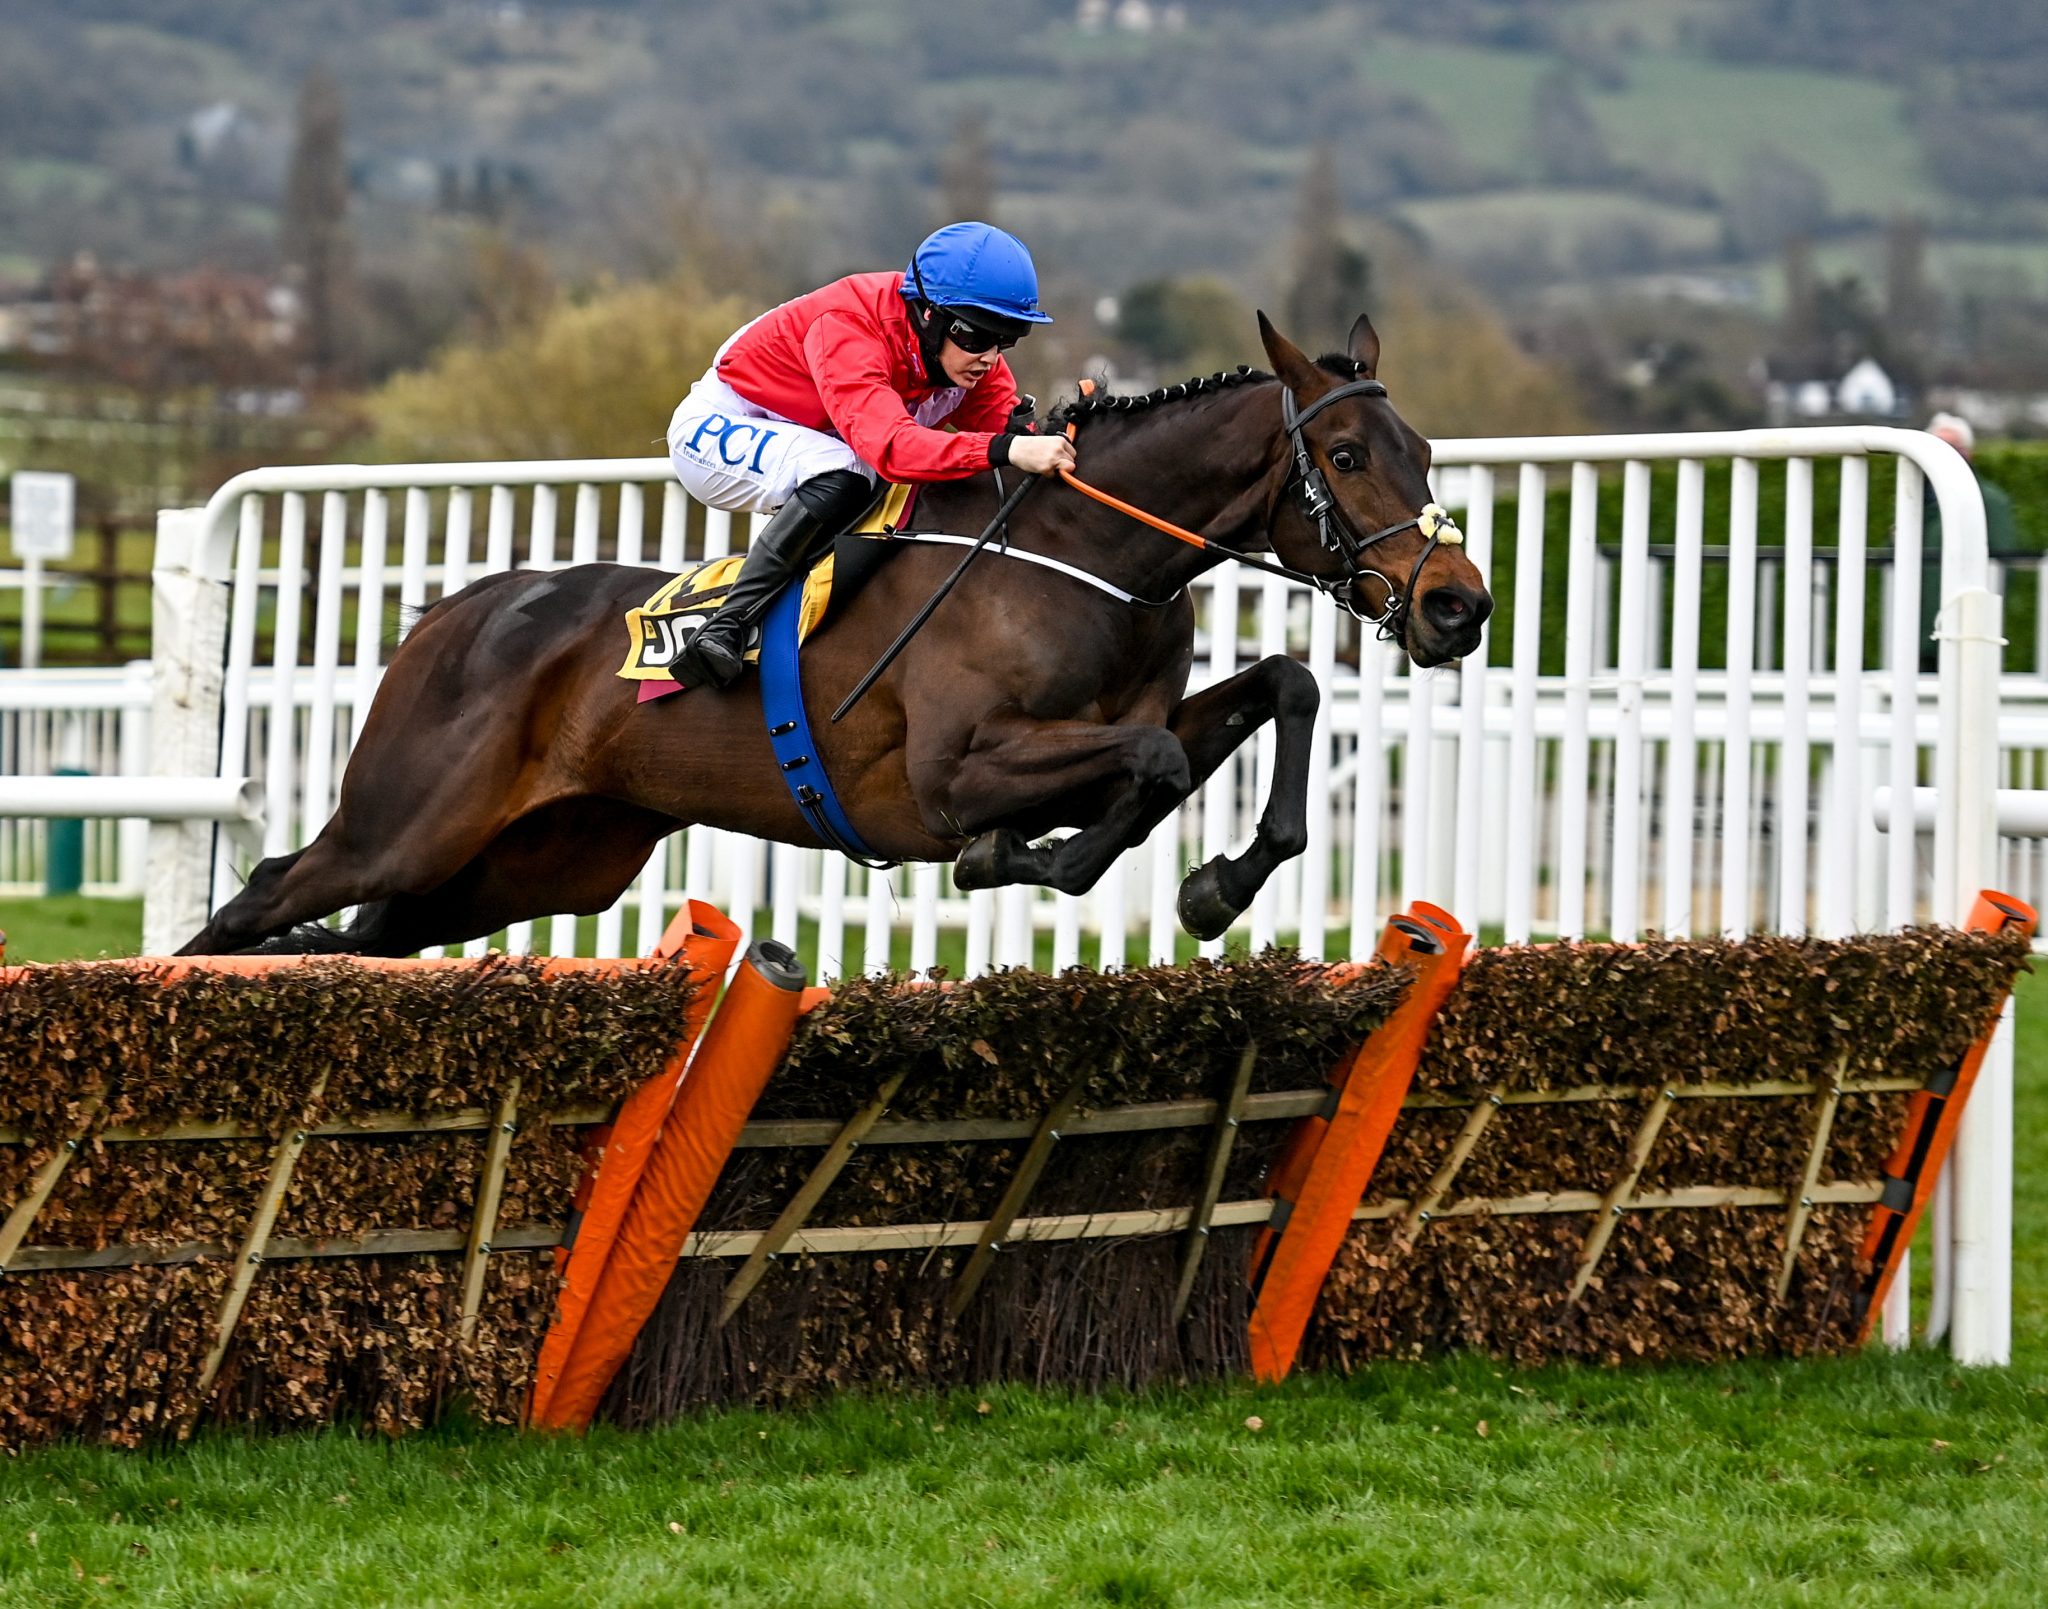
x=505, y=772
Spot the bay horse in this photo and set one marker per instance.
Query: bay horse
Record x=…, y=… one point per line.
x=505, y=772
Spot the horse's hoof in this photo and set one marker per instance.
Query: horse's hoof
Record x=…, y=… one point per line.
x=1205, y=911
x=979, y=865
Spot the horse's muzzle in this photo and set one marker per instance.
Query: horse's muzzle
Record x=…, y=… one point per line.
x=1447, y=623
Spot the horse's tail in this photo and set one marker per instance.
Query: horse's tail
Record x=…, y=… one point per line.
x=410, y=615
x=308, y=938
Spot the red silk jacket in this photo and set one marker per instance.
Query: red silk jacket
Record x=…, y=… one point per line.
x=845, y=358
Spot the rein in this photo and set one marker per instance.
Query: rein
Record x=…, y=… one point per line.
x=1181, y=534
x=1319, y=503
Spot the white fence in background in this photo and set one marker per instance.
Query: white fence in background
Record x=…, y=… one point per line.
x=1633, y=791
x=98, y=721
x=94, y=721
x=1611, y=786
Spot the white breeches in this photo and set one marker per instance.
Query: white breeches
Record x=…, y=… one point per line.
x=736, y=455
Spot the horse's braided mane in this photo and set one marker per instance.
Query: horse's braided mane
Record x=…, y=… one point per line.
x=1102, y=401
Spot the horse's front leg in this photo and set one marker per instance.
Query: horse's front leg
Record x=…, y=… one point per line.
x=1018, y=767
x=1211, y=727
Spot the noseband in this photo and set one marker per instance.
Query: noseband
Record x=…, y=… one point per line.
x=1320, y=504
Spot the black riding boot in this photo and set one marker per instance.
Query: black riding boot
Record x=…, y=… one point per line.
x=782, y=550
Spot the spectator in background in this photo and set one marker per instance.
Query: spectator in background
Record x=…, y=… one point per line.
x=2000, y=530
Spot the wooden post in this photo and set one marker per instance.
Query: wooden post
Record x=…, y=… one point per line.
x=15, y=1229
x=1221, y=1139
x=1036, y=1155
x=1800, y=1210
x=107, y=584
x=1615, y=1202
x=1439, y=1185
x=794, y=1216
x=250, y=1255
x=483, y=1221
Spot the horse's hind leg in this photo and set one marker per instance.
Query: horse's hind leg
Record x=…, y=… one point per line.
x=346, y=866
x=281, y=893
x=573, y=857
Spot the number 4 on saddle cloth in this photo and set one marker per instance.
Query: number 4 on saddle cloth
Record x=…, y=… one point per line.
x=660, y=626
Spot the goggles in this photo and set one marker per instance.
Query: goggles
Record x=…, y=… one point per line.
x=972, y=338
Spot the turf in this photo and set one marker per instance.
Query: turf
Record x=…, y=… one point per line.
x=70, y=927
x=1879, y=1479
x=1675, y=112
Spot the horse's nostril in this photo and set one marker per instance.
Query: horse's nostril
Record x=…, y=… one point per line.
x=1449, y=608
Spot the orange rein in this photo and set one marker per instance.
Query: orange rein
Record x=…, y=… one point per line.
x=1134, y=512
x=1177, y=532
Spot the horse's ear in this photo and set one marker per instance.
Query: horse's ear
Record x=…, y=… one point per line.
x=1288, y=360
x=1364, y=347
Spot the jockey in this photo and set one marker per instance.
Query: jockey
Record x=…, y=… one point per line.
x=805, y=408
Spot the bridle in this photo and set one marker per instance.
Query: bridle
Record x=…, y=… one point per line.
x=1320, y=505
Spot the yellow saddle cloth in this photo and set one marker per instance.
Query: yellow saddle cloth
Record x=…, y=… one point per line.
x=658, y=627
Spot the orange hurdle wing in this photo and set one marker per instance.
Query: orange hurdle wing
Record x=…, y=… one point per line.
x=741, y=1050
x=705, y=938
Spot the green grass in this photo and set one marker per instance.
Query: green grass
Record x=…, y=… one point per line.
x=75, y=928
x=1557, y=221
x=1707, y=118
x=70, y=927
x=1881, y=1479
x=2022, y=264
x=1677, y=113
x=71, y=602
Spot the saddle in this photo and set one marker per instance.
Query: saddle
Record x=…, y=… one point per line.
x=656, y=629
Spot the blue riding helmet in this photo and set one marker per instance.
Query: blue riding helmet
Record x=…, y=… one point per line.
x=975, y=265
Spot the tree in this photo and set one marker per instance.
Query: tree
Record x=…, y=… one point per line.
x=967, y=173
x=590, y=379
x=1187, y=325
x=1776, y=197
x=1565, y=136
x=1802, y=299
x=1910, y=310
x=316, y=240
x=1331, y=276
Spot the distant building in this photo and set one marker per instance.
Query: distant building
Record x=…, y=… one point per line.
x=1994, y=413
x=1864, y=390
x=1867, y=389
x=205, y=326
x=216, y=135
x=1130, y=16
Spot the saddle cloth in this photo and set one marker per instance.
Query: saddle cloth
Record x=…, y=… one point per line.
x=660, y=626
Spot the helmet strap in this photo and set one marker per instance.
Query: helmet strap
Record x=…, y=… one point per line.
x=930, y=333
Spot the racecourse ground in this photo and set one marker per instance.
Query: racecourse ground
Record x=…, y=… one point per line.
x=1886, y=1479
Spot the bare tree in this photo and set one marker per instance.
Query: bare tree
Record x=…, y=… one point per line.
x=316, y=241
x=1910, y=309
x=1801, y=334
x=1331, y=275
x=967, y=172
x=1567, y=138
x=1775, y=197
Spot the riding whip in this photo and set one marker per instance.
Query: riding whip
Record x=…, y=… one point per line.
x=917, y=621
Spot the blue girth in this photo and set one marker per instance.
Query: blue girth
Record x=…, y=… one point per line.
x=789, y=731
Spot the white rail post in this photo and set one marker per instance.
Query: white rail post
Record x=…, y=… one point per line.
x=188, y=643
x=1981, y=1165
x=135, y=761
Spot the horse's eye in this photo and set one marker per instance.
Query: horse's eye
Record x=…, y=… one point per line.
x=1344, y=458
